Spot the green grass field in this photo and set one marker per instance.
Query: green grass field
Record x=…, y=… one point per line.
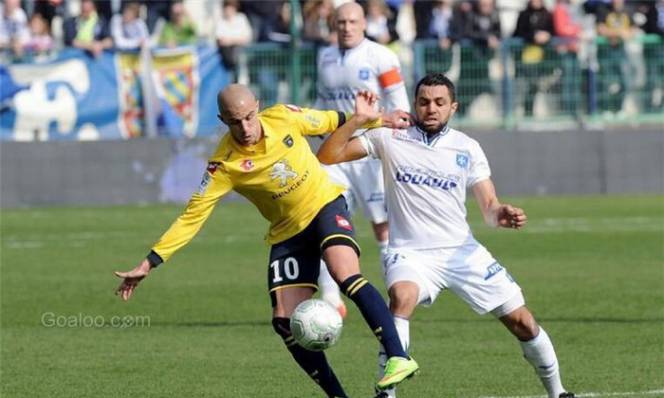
x=592, y=269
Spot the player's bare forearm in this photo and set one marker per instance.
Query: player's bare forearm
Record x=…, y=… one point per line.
x=490, y=213
x=337, y=147
x=488, y=202
x=497, y=214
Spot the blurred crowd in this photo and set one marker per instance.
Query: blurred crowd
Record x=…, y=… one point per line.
x=33, y=28
x=38, y=26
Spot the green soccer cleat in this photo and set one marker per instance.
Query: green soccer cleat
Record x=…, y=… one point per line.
x=397, y=369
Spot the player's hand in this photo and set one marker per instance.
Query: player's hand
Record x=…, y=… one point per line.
x=365, y=107
x=131, y=279
x=397, y=120
x=509, y=216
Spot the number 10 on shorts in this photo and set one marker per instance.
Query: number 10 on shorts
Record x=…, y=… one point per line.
x=288, y=269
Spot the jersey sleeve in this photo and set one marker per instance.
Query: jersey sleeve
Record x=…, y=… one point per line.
x=372, y=141
x=307, y=121
x=479, y=165
x=391, y=81
x=215, y=184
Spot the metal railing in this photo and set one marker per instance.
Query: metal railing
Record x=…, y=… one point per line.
x=514, y=85
x=582, y=83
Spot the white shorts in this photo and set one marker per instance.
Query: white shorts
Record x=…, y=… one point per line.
x=365, y=188
x=468, y=270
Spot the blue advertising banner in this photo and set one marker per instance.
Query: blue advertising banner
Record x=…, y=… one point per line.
x=115, y=96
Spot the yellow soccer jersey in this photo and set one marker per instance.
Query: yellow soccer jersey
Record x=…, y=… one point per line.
x=280, y=175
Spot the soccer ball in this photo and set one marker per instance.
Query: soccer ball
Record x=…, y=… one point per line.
x=316, y=324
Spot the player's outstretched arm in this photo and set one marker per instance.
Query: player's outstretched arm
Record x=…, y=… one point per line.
x=339, y=146
x=497, y=214
x=131, y=279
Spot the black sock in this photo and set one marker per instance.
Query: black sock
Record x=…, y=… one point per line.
x=312, y=362
x=375, y=312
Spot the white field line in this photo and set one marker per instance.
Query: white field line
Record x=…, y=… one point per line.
x=593, y=394
x=605, y=224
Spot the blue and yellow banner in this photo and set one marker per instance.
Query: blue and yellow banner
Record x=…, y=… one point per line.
x=115, y=96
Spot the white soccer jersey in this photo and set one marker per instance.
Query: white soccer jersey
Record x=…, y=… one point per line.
x=368, y=66
x=425, y=184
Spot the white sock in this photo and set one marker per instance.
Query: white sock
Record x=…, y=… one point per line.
x=382, y=248
x=329, y=290
x=541, y=355
x=403, y=329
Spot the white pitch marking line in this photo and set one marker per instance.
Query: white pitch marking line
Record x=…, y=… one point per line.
x=591, y=394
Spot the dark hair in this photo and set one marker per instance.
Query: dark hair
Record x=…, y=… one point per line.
x=437, y=79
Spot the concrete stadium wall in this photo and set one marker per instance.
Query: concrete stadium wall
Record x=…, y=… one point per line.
x=161, y=170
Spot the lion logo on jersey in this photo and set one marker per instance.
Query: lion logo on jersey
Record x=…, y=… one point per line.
x=282, y=171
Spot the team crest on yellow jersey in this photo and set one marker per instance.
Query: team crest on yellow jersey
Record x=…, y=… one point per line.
x=288, y=141
x=283, y=172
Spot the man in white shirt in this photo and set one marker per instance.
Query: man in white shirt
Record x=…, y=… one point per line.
x=355, y=64
x=428, y=168
x=14, y=31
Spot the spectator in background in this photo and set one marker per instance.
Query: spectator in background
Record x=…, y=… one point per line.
x=535, y=27
x=157, y=10
x=422, y=14
x=616, y=28
x=270, y=23
x=653, y=53
x=462, y=21
x=41, y=41
x=262, y=16
x=128, y=30
x=317, y=22
x=568, y=29
x=381, y=23
x=598, y=8
x=14, y=32
x=88, y=31
x=233, y=33
x=441, y=19
x=278, y=30
x=179, y=30
x=107, y=8
x=48, y=9
x=482, y=32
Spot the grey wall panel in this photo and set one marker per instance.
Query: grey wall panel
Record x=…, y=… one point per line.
x=634, y=163
x=150, y=171
x=543, y=163
x=111, y=172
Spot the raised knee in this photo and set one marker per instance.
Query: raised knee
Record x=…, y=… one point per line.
x=403, y=298
x=522, y=324
x=526, y=328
